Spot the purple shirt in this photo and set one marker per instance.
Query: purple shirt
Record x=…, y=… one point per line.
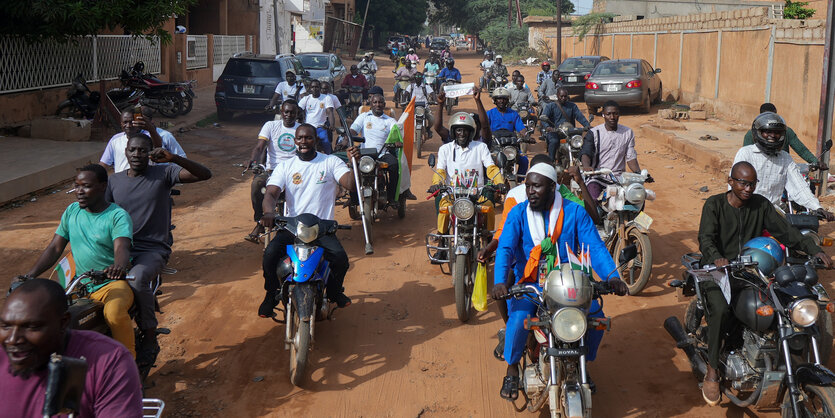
x=112, y=387
x=614, y=148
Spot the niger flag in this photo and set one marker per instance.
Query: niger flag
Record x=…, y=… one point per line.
x=407, y=127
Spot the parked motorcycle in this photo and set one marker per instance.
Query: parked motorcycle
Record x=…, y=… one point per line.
x=401, y=97
x=505, y=147
x=450, y=101
x=374, y=180
x=772, y=355
x=625, y=223
x=468, y=224
x=553, y=368
x=187, y=86
x=167, y=99
x=83, y=103
x=304, y=275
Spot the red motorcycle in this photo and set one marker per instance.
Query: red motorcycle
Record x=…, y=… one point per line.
x=166, y=98
x=187, y=86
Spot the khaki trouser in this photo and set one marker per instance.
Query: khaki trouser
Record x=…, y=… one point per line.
x=117, y=297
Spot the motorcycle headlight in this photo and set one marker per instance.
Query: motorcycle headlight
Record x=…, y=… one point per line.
x=523, y=114
x=419, y=111
x=635, y=194
x=367, y=164
x=307, y=234
x=463, y=209
x=576, y=142
x=569, y=324
x=804, y=312
x=509, y=152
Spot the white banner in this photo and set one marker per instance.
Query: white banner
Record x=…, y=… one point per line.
x=458, y=90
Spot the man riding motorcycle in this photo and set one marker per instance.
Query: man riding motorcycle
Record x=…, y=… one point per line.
x=778, y=171
x=287, y=89
x=545, y=74
x=488, y=61
x=560, y=112
x=792, y=141
x=310, y=181
x=519, y=93
x=545, y=218
x=423, y=93
x=319, y=112
x=412, y=56
x=450, y=72
x=729, y=220
x=355, y=79
x=609, y=145
x=407, y=71
x=499, y=69
x=503, y=117
x=549, y=86
x=368, y=62
x=431, y=69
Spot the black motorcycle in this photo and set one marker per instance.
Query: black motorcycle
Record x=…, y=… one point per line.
x=374, y=181
x=773, y=355
x=505, y=147
x=186, y=88
x=167, y=99
x=83, y=103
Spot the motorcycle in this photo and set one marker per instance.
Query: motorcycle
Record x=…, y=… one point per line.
x=571, y=142
x=450, y=101
x=430, y=78
x=374, y=180
x=395, y=54
x=468, y=223
x=625, y=223
x=421, y=129
x=304, y=275
x=83, y=103
x=489, y=79
x=505, y=147
x=401, y=97
x=355, y=96
x=369, y=76
x=553, y=368
x=187, y=86
x=527, y=112
x=167, y=99
x=772, y=356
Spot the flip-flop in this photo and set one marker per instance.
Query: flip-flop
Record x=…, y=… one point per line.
x=253, y=238
x=510, y=388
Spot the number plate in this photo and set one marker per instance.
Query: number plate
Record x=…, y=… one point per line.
x=572, y=79
x=643, y=221
x=612, y=87
x=249, y=89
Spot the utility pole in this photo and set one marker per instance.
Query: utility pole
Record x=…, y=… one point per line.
x=826, y=103
x=275, y=27
x=364, y=17
x=518, y=14
x=558, y=60
x=509, y=12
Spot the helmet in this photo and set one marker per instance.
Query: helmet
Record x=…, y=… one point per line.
x=450, y=61
x=463, y=119
x=139, y=67
x=500, y=92
x=498, y=57
x=411, y=50
x=766, y=252
x=769, y=121
x=544, y=63
x=418, y=76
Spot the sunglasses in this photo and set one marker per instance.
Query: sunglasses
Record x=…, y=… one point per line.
x=746, y=183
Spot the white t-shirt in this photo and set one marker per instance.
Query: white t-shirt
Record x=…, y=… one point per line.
x=316, y=109
x=418, y=92
x=463, y=162
x=374, y=129
x=487, y=64
x=114, y=153
x=310, y=186
x=287, y=91
x=335, y=99
x=281, y=142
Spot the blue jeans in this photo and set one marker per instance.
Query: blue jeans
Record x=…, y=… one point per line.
x=322, y=133
x=553, y=145
x=516, y=335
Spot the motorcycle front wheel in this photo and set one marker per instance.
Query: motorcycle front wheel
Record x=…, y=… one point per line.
x=299, y=348
x=171, y=106
x=820, y=402
x=188, y=104
x=636, y=273
x=462, y=277
x=449, y=108
x=369, y=217
x=419, y=140
x=69, y=110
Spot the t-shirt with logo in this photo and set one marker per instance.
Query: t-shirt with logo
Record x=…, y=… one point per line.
x=464, y=164
x=316, y=109
x=287, y=91
x=310, y=186
x=281, y=142
x=375, y=129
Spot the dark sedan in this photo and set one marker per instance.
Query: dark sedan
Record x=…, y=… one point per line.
x=575, y=71
x=629, y=82
x=324, y=66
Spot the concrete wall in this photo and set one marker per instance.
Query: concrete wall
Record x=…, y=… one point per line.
x=663, y=8
x=687, y=49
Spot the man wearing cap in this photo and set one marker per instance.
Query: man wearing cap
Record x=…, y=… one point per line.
x=287, y=89
x=545, y=218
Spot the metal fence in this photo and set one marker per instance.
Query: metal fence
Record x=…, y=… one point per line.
x=32, y=66
x=197, y=52
x=341, y=36
x=225, y=46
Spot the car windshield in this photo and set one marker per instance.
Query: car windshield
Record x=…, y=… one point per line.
x=577, y=64
x=314, y=62
x=616, y=68
x=252, y=68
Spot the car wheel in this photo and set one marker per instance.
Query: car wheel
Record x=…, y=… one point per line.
x=660, y=92
x=647, y=106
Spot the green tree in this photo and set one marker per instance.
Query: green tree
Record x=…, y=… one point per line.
x=591, y=22
x=796, y=10
x=405, y=17
x=479, y=16
x=62, y=20
x=546, y=7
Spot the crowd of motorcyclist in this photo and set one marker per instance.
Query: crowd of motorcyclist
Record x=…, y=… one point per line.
x=121, y=223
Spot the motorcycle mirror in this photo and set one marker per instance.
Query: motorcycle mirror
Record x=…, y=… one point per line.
x=340, y=130
x=501, y=159
x=591, y=117
x=628, y=253
x=827, y=145
x=431, y=160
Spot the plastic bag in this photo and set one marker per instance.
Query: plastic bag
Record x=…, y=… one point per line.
x=480, y=288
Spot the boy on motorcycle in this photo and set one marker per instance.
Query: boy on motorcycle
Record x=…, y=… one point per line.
x=99, y=234
x=729, y=220
x=544, y=217
x=611, y=146
x=560, y=112
x=310, y=181
x=355, y=79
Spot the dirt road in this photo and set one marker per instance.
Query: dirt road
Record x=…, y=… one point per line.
x=399, y=350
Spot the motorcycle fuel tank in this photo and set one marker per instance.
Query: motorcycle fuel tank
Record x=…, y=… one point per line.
x=568, y=287
x=747, y=302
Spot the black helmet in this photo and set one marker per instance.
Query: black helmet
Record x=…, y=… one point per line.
x=139, y=67
x=772, y=122
x=450, y=62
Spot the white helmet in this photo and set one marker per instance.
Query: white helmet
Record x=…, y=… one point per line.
x=463, y=119
x=498, y=57
x=500, y=92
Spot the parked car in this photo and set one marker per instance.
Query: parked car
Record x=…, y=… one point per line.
x=324, y=65
x=629, y=82
x=575, y=71
x=248, y=81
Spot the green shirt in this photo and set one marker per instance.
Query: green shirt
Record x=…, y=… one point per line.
x=724, y=229
x=91, y=236
x=791, y=141
x=565, y=192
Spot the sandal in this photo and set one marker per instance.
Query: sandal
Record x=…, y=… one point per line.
x=498, y=352
x=253, y=238
x=510, y=388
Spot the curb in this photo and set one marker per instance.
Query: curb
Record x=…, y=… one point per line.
x=709, y=159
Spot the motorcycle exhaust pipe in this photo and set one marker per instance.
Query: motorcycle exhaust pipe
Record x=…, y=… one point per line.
x=676, y=330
